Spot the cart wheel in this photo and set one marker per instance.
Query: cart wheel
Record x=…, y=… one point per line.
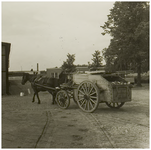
x=115, y=105
x=62, y=99
x=88, y=96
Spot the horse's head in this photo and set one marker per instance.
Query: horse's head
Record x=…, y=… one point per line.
x=24, y=78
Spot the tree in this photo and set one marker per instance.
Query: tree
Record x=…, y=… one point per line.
x=128, y=24
x=83, y=65
x=109, y=67
x=97, y=60
x=68, y=65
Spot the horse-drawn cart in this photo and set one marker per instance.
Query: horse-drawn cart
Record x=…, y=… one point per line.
x=88, y=90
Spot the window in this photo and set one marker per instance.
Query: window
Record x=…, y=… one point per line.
x=52, y=75
x=56, y=75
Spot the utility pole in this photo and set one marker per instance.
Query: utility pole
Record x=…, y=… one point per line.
x=37, y=67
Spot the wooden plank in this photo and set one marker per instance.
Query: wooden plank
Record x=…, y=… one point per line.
x=4, y=83
x=3, y=51
x=122, y=93
x=4, y=66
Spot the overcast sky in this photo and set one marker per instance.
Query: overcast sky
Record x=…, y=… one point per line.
x=45, y=32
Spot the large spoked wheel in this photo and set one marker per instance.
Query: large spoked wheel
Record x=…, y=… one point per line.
x=62, y=99
x=88, y=96
x=115, y=105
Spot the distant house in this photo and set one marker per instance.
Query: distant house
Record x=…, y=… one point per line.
x=82, y=69
x=43, y=72
x=20, y=73
x=97, y=68
x=53, y=72
x=5, y=66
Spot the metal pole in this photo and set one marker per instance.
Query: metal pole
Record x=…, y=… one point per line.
x=37, y=67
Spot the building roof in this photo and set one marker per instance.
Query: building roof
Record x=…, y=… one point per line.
x=55, y=68
x=5, y=43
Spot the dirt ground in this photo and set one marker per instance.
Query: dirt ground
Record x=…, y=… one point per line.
x=31, y=125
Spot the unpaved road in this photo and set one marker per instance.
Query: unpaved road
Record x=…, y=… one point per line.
x=30, y=125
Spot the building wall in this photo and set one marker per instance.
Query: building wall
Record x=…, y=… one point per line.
x=82, y=69
x=53, y=72
x=5, y=66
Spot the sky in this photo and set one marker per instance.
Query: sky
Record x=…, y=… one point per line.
x=45, y=32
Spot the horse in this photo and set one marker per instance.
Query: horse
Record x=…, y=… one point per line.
x=45, y=81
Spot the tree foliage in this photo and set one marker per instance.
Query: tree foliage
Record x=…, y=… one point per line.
x=96, y=60
x=83, y=65
x=128, y=24
x=68, y=65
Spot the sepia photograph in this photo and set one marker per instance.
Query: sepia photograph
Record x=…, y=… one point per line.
x=75, y=74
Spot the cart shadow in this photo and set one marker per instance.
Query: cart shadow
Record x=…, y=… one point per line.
x=110, y=110
x=73, y=107
x=125, y=109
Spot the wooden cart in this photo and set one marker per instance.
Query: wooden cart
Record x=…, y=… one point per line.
x=88, y=90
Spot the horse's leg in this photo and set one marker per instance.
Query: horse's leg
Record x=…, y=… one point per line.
x=38, y=98
x=34, y=97
x=53, y=101
x=54, y=97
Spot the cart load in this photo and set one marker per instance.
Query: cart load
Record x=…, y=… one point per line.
x=90, y=89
